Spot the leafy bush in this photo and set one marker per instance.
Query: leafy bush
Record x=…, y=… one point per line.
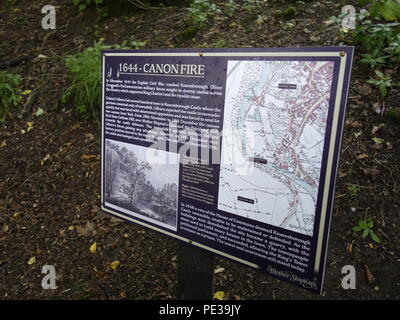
x=377, y=35
x=380, y=41
x=387, y=9
x=200, y=11
x=85, y=69
x=231, y=6
x=8, y=93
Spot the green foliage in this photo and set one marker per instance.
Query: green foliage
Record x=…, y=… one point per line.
x=85, y=69
x=189, y=33
x=383, y=83
x=387, y=9
x=390, y=10
x=83, y=4
x=288, y=13
x=231, y=6
x=380, y=40
x=393, y=114
x=130, y=44
x=354, y=190
x=200, y=11
x=365, y=226
x=250, y=5
x=373, y=59
x=9, y=97
x=377, y=35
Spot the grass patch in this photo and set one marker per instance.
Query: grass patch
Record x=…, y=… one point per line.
x=9, y=96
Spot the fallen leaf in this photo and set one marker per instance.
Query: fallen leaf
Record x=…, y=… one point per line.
x=350, y=247
x=32, y=260
x=116, y=220
x=42, y=56
x=376, y=128
x=362, y=156
x=354, y=124
x=39, y=112
x=342, y=174
x=87, y=230
x=47, y=157
x=90, y=136
x=366, y=89
x=260, y=20
x=368, y=273
x=371, y=171
x=219, y=270
x=357, y=134
x=93, y=247
x=378, y=140
x=26, y=92
x=114, y=265
x=90, y=156
x=30, y=126
x=219, y=295
x=377, y=107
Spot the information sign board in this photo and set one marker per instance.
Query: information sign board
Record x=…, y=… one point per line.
x=233, y=150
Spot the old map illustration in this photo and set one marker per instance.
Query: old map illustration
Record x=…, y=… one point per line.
x=275, y=119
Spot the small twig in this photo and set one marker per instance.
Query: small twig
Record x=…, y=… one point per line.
x=105, y=291
x=29, y=102
x=384, y=234
x=16, y=184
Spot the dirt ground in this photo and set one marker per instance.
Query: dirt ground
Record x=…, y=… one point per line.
x=49, y=174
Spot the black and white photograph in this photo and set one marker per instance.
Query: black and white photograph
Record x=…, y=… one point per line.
x=139, y=187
